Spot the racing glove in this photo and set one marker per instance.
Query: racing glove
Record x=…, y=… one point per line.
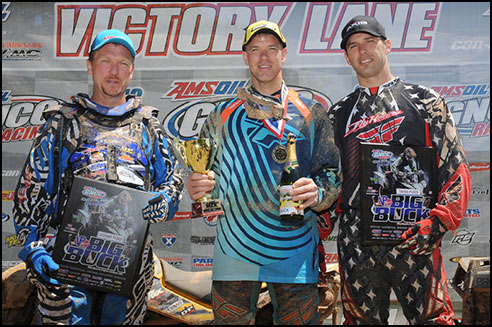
x=156, y=210
x=39, y=263
x=423, y=237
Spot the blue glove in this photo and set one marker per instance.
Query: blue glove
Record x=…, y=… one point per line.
x=157, y=210
x=40, y=262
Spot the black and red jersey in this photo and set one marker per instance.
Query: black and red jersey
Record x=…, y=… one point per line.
x=402, y=114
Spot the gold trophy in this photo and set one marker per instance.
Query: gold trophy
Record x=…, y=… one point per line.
x=199, y=154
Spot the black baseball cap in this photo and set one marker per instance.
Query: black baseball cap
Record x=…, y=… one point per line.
x=362, y=24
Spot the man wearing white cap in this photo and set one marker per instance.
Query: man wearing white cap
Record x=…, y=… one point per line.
x=253, y=245
x=384, y=109
x=108, y=137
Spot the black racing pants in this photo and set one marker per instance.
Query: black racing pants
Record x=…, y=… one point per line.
x=370, y=272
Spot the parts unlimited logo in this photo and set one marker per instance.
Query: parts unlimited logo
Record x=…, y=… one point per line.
x=186, y=120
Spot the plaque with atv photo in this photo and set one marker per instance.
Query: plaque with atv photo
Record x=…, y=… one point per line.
x=398, y=189
x=101, y=236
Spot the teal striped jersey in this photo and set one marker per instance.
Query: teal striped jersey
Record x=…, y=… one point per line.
x=252, y=242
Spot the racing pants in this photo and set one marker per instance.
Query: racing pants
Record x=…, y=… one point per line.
x=234, y=303
x=370, y=272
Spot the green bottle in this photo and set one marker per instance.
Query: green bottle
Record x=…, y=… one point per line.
x=289, y=210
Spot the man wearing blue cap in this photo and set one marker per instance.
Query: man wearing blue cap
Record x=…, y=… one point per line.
x=385, y=109
x=108, y=137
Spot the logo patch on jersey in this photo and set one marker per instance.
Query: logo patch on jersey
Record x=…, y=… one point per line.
x=382, y=133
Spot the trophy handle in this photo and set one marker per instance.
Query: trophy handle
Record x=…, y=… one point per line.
x=178, y=145
x=213, y=151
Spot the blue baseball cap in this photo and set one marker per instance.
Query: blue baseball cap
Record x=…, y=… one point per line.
x=113, y=36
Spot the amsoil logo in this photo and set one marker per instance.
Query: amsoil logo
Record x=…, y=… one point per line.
x=470, y=106
x=187, y=119
x=22, y=115
x=185, y=90
x=462, y=90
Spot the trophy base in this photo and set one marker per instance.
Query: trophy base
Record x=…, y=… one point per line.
x=206, y=209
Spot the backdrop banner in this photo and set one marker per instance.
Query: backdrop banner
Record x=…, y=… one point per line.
x=189, y=59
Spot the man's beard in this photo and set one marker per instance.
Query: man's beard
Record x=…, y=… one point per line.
x=113, y=92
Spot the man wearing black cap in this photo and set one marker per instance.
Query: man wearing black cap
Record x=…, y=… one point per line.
x=253, y=245
x=384, y=109
x=108, y=137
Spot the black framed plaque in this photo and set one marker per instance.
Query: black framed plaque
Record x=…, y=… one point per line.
x=398, y=189
x=101, y=237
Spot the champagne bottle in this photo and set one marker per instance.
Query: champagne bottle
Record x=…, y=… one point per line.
x=289, y=210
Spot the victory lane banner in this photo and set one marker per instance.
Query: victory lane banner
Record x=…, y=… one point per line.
x=101, y=237
x=398, y=189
